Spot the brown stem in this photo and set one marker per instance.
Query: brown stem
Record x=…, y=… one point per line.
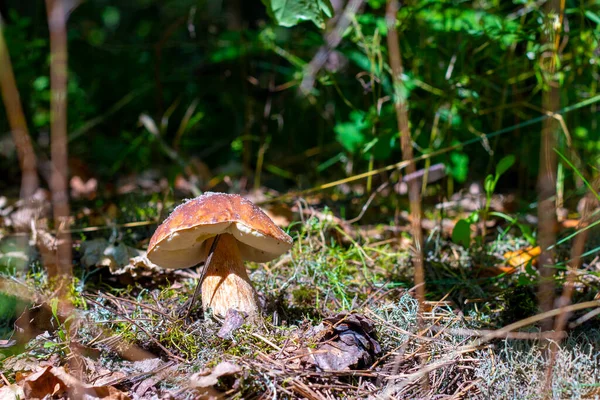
x=227, y=284
x=590, y=204
x=547, y=223
x=332, y=40
x=57, y=23
x=414, y=187
x=414, y=192
x=16, y=119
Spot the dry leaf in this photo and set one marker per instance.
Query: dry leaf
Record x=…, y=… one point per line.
x=43, y=383
x=139, y=266
x=521, y=257
x=233, y=320
x=207, y=378
x=101, y=253
x=52, y=381
x=4, y=344
x=12, y=392
x=347, y=341
x=83, y=189
x=570, y=223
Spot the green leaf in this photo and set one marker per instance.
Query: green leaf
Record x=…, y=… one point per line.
x=529, y=269
x=461, y=234
x=381, y=147
x=459, y=166
x=291, y=12
x=524, y=280
x=578, y=173
x=489, y=185
x=111, y=17
x=350, y=134
x=581, y=132
x=54, y=307
x=594, y=17
x=504, y=165
x=473, y=218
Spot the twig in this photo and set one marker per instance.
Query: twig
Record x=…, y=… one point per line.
x=135, y=377
x=506, y=335
x=404, y=163
x=267, y=341
x=569, y=286
x=587, y=316
x=332, y=41
x=136, y=303
x=131, y=321
x=4, y=379
x=539, y=317
x=368, y=203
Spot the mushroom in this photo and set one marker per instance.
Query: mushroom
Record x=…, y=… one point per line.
x=244, y=232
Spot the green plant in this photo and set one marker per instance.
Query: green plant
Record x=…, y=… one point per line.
x=461, y=234
x=289, y=13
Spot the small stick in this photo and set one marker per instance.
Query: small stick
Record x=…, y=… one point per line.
x=213, y=246
x=131, y=321
x=4, y=379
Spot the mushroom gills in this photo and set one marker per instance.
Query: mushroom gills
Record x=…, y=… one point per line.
x=226, y=283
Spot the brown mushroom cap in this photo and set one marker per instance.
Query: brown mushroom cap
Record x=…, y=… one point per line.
x=180, y=240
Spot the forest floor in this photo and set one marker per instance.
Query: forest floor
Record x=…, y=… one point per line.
x=339, y=319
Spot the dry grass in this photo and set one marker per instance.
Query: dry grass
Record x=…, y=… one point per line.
x=329, y=270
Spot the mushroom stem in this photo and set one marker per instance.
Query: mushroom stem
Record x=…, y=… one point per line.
x=226, y=284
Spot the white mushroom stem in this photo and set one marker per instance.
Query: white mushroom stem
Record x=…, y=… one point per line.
x=226, y=283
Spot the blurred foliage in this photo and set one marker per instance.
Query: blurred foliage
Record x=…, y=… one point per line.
x=220, y=82
x=290, y=13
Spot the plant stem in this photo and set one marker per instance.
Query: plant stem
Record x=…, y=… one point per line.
x=57, y=23
x=547, y=174
x=414, y=193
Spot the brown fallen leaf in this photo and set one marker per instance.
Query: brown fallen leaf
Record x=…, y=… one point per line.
x=52, y=381
x=12, y=392
x=208, y=378
x=119, y=258
x=101, y=253
x=570, y=223
x=233, y=320
x=521, y=257
x=346, y=341
x=4, y=344
x=43, y=383
x=35, y=321
x=83, y=189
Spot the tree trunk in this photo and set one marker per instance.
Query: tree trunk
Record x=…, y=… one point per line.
x=57, y=23
x=16, y=120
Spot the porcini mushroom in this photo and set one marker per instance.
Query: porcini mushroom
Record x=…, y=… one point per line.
x=245, y=233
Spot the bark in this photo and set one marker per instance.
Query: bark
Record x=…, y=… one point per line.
x=16, y=120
